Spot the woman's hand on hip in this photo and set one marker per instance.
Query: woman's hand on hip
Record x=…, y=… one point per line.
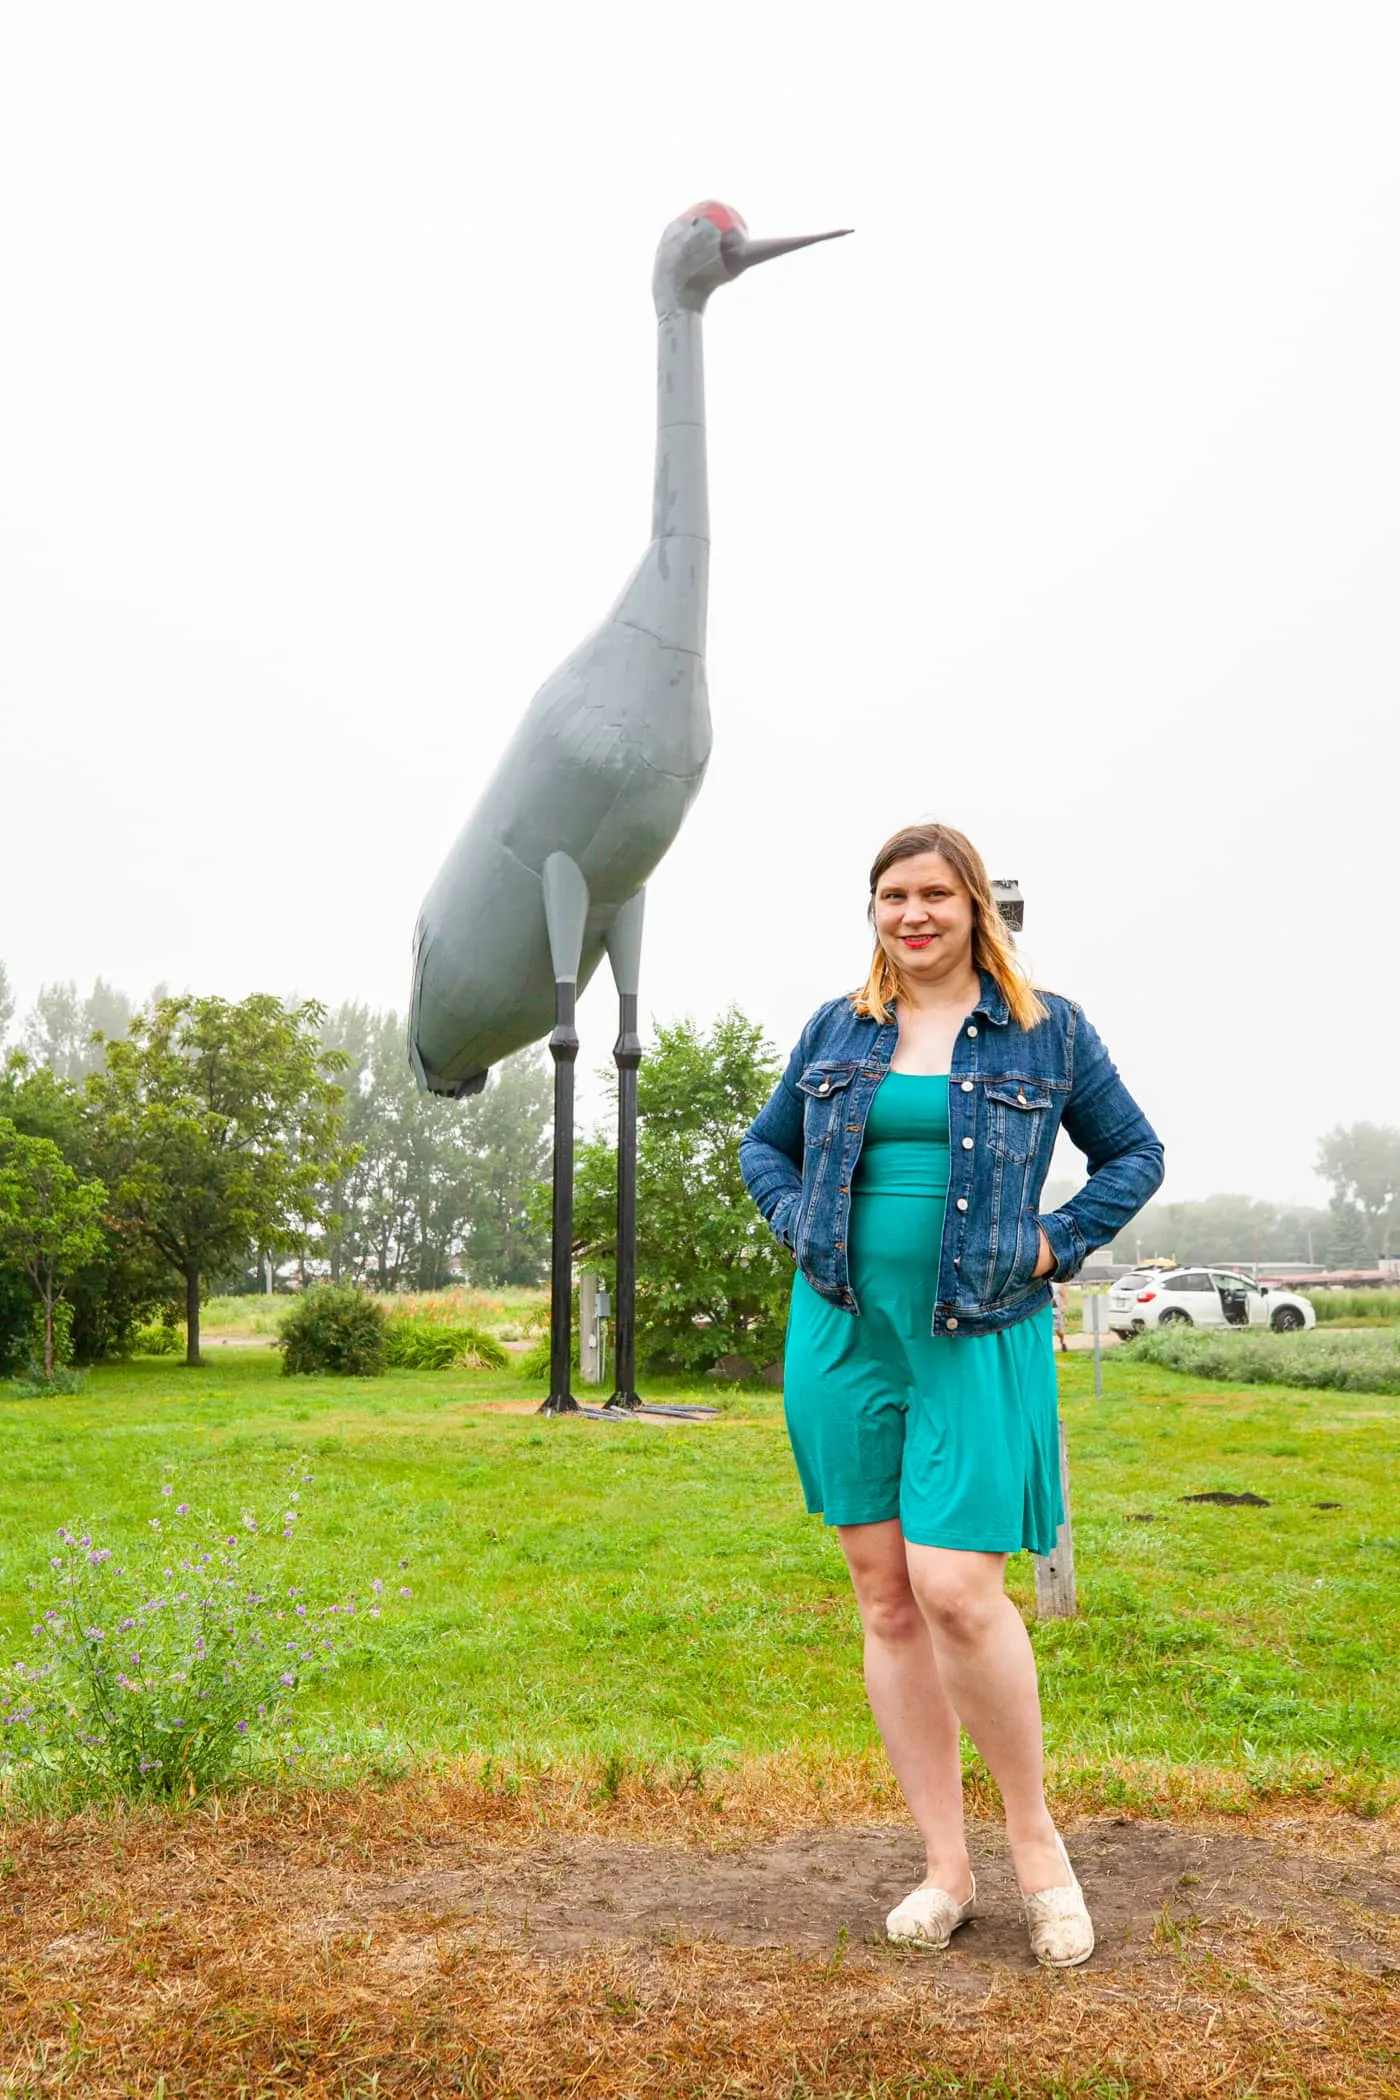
x=1045, y=1261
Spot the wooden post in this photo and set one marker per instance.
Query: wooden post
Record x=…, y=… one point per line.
x=1054, y=1571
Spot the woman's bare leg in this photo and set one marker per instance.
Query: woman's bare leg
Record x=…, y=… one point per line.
x=913, y=1713
x=987, y=1669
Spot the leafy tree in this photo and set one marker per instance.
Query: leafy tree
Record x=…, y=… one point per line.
x=7, y=1002
x=63, y=1031
x=125, y=1282
x=400, y=1207
x=710, y=1279
x=434, y=1179
x=1362, y=1162
x=1224, y=1228
x=1348, y=1242
x=509, y=1136
x=218, y=1126
x=50, y=1221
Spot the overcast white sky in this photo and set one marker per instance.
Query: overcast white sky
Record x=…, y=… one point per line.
x=1062, y=502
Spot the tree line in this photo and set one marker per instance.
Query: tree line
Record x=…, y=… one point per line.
x=151, y=1155
x=1359, y=1226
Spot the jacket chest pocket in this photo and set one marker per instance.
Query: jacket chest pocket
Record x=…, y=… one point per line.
x=1017, y=1113
x=825, y=1098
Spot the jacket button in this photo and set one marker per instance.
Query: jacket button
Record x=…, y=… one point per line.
x=951, y=1325
x=972, y=1030
x=967, y=1144
x=962, y=1203
x=967, y=1086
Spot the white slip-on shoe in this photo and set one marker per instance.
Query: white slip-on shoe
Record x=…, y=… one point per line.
x=929, y=1917
x=1061, y=1930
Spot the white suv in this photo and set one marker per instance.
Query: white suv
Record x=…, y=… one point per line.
x=1202, y=1298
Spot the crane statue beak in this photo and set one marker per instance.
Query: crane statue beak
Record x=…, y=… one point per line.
x=739, y=253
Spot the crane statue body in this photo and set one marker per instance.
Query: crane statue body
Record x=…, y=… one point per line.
x=612, y=749
x=550, y=869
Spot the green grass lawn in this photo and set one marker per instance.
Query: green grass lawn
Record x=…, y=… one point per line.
x=589, y=1592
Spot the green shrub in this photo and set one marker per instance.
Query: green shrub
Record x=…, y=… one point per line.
x=534, y=1363
x=1348, y=1363
x=1354, y=1305
x=60, y=1384
x=158, y=1339
x=333, y=1327
x=413, y=1343
x=155, y=1673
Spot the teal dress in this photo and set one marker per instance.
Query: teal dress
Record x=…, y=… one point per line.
x=956, y=1436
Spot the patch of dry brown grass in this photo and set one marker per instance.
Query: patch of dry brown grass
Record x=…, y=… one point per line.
x=150, y=1954
x=226, y=2003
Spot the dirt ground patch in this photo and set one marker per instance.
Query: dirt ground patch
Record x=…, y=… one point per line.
x=419, y=1944
x=817, y=1891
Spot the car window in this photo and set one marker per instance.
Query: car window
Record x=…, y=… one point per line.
x=1234, y=1283
x=1189, y=1280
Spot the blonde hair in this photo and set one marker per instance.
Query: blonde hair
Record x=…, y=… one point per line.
x=991, y=944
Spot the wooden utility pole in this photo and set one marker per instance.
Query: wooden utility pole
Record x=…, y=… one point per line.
x=1054, y=1571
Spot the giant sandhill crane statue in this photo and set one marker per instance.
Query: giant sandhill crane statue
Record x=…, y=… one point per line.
x=549, y=871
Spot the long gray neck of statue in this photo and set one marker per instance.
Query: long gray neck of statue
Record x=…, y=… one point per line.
x=681, y=498
x=668, y=591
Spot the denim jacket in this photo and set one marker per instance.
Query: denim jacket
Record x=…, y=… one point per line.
x=1009, y=1091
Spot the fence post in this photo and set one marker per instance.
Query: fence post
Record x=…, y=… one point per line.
x=1054, y=1571
x=1095, y=1307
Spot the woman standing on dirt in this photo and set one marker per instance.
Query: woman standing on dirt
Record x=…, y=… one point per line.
x=901, y=1159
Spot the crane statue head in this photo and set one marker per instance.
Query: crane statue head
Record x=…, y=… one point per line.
x=706, y=247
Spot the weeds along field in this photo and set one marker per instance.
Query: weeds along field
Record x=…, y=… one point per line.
x=625, y=1598
x=1323, y=1358
x=511, y=1314
x=1379, y=1308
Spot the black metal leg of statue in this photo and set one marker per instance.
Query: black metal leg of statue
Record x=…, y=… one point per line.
x=624, y=939
x=566, y=909
x=625, y=955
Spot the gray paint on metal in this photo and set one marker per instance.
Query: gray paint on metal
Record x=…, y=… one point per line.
x=612, y=749
x=565, y=915
x=624, y=943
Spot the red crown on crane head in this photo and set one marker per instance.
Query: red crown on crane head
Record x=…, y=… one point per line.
x=720, y=216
